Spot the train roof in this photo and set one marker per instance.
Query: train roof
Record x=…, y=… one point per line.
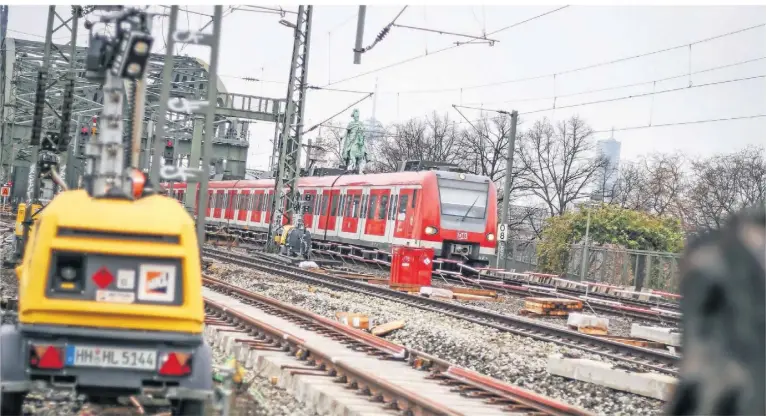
x=370, y=179
x=377, y=179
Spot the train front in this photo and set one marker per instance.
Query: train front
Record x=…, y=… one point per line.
x=467, y=218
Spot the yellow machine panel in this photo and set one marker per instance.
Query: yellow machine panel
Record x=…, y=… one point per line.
x=112, y=263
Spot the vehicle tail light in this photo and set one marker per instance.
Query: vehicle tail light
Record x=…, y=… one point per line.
x=175, y=364
x=46, y=357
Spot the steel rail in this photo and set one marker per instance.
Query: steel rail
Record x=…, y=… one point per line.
x=490, y=280
x=651, y=359
x=439, y=369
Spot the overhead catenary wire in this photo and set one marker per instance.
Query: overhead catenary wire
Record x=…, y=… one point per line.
x=404, y=61
x=678, y=123
x=315, y=126
x=578, y=69
x=629, y=97
x=681, y=123
x=617, y=87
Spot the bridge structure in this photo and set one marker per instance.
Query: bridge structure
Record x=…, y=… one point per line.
x=22, y=60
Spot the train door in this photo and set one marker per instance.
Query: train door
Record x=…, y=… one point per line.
x=218, y=204
x=231, y=200
x=377, y=214
x=267, y=207
x=255, y=214
x=211, y=197
x=330, y=202
x=308, y=214
x=243, y=206
x=350, y=215
x=405, y=214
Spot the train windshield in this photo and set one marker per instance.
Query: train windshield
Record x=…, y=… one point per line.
x=463, y=199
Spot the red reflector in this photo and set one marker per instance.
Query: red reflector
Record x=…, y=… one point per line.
x=47, y=358
x=176, y=364
x=102, y=278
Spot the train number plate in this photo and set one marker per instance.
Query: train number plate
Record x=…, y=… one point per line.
x=134, y=359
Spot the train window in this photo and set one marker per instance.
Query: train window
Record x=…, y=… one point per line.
x=392, y=207
x=325, y=204
x=210, y=201
x=357, y=203
x=383, y=207
x=334, y=206
x=364, y=207
x=371, y=210
x=349, y=206
x=403, y=204
x=463, y=198
x=414, y=197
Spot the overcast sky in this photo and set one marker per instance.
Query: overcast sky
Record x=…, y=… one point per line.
x=256, y=45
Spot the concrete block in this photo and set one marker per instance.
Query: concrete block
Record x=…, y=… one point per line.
x=667, y=336
x=656, y=386
x=585, y=323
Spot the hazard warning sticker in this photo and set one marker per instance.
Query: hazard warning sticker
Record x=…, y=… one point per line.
x=156, y=283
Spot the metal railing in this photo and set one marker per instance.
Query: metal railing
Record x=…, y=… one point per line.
x=611, y=265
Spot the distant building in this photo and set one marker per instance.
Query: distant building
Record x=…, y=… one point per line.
x=610, y=149
x=374, y=130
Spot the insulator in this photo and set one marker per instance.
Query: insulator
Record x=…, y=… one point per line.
x=66, y=115
x=37, y=120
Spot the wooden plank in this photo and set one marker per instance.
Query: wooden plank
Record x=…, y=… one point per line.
x=465, y=296
x=475, y=292
x=384, y=329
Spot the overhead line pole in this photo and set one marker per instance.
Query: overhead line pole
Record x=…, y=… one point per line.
x=359, y=34
x=503, y=245
x=286, y=197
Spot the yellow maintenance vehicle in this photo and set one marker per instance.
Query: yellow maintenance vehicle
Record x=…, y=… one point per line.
x=110, y=287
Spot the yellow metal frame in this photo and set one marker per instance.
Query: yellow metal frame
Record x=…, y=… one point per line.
x=20, y=212
x=156, y=215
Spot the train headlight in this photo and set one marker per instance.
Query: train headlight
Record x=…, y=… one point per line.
x=491, y=237
x=462, y=176
x=431, y=230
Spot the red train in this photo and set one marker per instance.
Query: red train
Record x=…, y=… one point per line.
x=455, y=213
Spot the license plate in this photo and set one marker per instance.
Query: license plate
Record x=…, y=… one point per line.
x=134, y=359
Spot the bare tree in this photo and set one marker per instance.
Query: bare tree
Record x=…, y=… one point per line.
x=434, y=139
x=558, y=163
x=329, y=145
x=723, y=185
x=653, y=183
x=485, y=144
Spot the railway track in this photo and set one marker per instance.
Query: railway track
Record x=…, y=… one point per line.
x=656, y=360
x=658, y=311
x=510, y=283
x=403, y=385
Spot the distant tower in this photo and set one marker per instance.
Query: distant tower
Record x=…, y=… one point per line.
x=373, y=126
x=609, y=148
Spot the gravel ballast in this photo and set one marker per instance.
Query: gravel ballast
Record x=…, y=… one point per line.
x=518, y=360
